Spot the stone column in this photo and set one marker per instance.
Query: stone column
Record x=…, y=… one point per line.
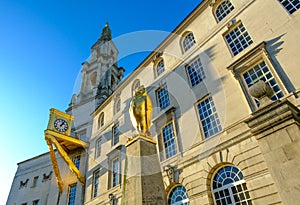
x=143, y=182
x=276, y=127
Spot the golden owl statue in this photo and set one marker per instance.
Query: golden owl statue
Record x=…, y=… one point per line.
x=141, y=111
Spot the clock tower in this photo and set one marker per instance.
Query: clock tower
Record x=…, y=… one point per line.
x=100, y=76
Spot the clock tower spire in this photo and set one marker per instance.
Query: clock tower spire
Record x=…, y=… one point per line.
x=100, y=74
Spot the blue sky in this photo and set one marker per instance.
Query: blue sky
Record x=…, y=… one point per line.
x=42, y=46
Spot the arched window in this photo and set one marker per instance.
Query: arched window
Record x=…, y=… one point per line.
x=224, y=8
x=136, y=84
x=178, y=196
x=229, y=187
x=160, y=67
x=188, y=41
x=117, y=106
x=101, y=120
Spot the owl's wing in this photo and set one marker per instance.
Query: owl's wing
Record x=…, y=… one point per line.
x=132, y=118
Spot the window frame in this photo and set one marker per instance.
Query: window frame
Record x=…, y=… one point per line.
x=159, y=100
x=228, y=187
x=217, y=5
x=215, y=113
x=98, y=144
x=182, y=43
x=281, y=3
x=76, y=158
x=229, y=30
x=201, y=73
x=248, y=61
x=172, y=191
x=94, y=194
x=101, y=120
x=71, y=197
x=114, y=134
x=163, y=150
x=113, y=174
x=157, y=65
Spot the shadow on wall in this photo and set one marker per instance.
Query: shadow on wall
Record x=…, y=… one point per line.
x=274, y=46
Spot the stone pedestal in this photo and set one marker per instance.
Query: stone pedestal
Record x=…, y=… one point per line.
x=143, y=183
x=277, y=129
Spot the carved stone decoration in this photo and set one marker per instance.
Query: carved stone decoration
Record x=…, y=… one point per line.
x=262, y=92
x=212, y=3
x=171, y=174
x=23, y=184
x=47, y=177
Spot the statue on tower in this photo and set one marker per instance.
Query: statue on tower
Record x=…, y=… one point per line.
x=106, y=33
x=141, y=111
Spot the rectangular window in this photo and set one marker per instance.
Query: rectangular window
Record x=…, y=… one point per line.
x=35, y=202
x=76, y=161
x=209, y=117
x=98, y=148
x=163, y=97
x=290, y=5
x=261, y=72
x=115, y=172
x=35, y=181
x=116, y=134
x=238, y=39
x=72, y=194
x=169, y=140
x=196, y=72
x=96, y=183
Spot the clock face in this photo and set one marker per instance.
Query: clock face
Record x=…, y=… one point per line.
x=61, y=125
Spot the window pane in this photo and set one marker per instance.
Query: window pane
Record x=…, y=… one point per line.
x=76, y=161
x=96, y=183
x=234, y=192
x=169, y=140
x=98, y=148
x=262, y=72
x=101, y=120
x=163, y=97
x=209, y=117
x=238, y=39
x=291, y=5
x=160, y=68
x=188, y=42
x=116, y=134
x=72, y=194
x=224, y=9
x=178, y=196
x=115, y=172
x=196, y=72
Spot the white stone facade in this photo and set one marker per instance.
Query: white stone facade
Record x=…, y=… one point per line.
x=204, y=123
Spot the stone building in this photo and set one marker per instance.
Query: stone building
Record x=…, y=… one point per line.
x=225, y=90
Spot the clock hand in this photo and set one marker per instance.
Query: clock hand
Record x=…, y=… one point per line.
x=62, y=124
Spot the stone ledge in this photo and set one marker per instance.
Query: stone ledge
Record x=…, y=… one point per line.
x=279, y=113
